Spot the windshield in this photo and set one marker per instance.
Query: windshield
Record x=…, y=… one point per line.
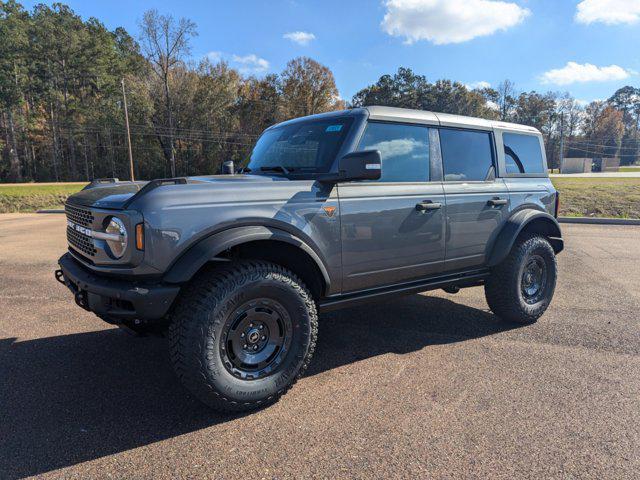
x=302, y=147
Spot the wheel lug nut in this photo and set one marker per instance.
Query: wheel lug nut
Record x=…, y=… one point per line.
x=244, y=346
x=263, y=337
x=261, y=327
x=242, y=334
x=251, y=324
x=255, y=347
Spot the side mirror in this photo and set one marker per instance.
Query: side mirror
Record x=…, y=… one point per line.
x=364, y=165
x=227, y=168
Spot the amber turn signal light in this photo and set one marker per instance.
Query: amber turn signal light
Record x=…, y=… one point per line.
x=140, y=236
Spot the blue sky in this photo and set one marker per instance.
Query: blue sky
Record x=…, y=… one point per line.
x=588, y=47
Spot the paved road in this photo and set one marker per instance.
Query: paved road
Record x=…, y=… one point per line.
x=425, y=386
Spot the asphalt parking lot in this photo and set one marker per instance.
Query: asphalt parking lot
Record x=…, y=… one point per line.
x=426, y=386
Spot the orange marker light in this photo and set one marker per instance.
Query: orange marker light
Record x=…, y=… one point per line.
x=330, y=210
x=140, y=236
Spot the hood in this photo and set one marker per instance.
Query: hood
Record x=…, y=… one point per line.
x=119, y=195
x=111, y=195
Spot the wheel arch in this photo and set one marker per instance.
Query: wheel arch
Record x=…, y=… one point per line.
x=255, y=241
x=524, y=221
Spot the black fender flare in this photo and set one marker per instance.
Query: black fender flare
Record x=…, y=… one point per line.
x=208, y=249
x=538, y=220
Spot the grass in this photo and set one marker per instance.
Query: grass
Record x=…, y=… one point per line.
x=630, y=168
x=599, y=197
x=30, y=197
x=579, y=197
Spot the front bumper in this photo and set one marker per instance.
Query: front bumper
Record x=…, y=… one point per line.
x=116, y=301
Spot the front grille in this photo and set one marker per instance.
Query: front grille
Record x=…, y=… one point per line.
x=79, y=216
x=81, y=242
x=83, y=217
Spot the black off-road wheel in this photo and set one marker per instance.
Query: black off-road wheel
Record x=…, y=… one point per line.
x=242, y=334
x=521, y=287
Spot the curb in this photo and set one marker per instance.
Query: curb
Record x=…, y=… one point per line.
x=50, y=211
x=600, y=221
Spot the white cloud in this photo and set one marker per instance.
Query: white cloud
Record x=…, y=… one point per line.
x=397, y=147
x=584, y=103
x=574, y=72
x=449, y=21
x=610, y=12
x=301, y=38
x=250, y=63
x=492, y=105
x=214, y=56
x=480, y=85
x=244, y=63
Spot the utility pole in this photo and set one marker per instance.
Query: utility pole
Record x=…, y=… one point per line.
x=126, y=121
x=561, y=141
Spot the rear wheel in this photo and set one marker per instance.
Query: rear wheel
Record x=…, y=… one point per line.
x=521, y=287
x=243, y=334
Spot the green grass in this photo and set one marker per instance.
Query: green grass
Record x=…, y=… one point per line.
x=599, y=197
x=630, y=168
x=579, y=197
x=31, y=197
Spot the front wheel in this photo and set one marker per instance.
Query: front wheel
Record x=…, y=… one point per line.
x=243, y=334
x=521, y=287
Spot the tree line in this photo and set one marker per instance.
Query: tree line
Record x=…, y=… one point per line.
x=62, y=115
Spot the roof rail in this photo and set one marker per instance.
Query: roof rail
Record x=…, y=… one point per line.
x=153, y=184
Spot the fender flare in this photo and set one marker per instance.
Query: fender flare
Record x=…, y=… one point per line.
x=208, y=249
x=515, y=224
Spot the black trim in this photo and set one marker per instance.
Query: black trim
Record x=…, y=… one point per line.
x=498, y=249
x=207, y=249
x=461, y=279
x=152, y=185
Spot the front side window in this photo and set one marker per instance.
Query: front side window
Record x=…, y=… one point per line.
x=404, y=150
x=466, y=154
x=522, y=153
x=302, y=147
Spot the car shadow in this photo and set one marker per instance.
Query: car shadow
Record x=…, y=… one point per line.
x=74, y=398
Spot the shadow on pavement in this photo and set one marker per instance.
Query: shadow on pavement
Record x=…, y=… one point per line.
x=74, y=398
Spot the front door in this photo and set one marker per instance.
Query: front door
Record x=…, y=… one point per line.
x=392, y=229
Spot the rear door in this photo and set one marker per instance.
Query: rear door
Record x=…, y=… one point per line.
x=477, y=201
x=393, y=229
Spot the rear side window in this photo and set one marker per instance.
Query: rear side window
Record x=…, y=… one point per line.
x=466, y=155
x=404, y=150
x=522, y=153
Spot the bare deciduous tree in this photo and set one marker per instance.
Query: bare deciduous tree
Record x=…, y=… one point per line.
x=506, y=99
x=165, y=42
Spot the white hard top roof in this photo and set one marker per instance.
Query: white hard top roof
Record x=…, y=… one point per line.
x=394, y=114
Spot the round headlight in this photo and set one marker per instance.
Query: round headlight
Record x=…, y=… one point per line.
x=117, y=246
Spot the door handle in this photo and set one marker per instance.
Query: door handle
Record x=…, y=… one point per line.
x=497, y=201
x=422, y=207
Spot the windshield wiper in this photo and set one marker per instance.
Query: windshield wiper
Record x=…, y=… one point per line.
x=277, y=168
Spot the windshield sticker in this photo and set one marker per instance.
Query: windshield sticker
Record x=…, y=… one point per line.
x=333, y=128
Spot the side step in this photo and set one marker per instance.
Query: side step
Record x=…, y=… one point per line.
x=460, y=280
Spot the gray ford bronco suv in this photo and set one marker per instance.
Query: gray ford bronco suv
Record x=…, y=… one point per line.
x=332, y=210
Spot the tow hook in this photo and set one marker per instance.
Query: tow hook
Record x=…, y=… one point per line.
x=60, y=277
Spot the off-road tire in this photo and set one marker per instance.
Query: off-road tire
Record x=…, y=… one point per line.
x=204, y=310
x=504, y=288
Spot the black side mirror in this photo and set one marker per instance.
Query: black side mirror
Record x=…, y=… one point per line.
x=227, y=168
x=364, y=165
